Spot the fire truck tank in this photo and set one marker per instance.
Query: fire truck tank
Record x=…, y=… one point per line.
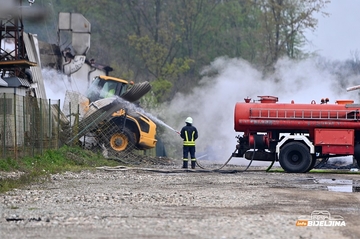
x=297, y=135
x=269, y=115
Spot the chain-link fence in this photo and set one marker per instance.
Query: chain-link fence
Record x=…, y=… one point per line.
x=29, y=126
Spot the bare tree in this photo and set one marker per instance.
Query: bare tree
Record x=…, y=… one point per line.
x=283, y=25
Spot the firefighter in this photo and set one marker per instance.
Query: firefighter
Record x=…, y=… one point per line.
x=189, y=134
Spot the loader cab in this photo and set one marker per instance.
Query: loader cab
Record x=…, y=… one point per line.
x=106, y=86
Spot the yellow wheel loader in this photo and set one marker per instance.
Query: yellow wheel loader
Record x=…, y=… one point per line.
x=111, y=120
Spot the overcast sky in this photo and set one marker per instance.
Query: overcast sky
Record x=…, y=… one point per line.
x=338, y=34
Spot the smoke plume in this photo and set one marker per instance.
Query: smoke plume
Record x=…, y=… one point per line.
x=227, y=81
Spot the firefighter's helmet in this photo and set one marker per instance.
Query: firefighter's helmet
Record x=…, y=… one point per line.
x=189, y=120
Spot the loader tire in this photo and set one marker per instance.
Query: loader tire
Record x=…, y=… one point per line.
x=121, y=141
x=137, y=91
x=295, y=157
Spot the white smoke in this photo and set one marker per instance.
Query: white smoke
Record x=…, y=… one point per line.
x=211, y=105
x=227, y=81
x=57, y=84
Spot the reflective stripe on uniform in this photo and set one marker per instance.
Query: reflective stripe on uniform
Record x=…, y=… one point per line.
x=188, y=142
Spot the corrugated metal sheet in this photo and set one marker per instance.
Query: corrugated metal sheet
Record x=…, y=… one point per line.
x=32, y=50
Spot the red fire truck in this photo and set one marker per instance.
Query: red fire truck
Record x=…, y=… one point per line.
x=296, y=135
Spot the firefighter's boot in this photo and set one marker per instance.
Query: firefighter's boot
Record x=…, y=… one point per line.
x=185, y=164
x=193, y=163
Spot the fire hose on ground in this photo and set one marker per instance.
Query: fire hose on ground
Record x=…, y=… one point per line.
x=231, y=156
x=252, y=158
x=197, y=163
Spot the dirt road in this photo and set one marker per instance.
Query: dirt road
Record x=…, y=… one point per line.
x=172, y=203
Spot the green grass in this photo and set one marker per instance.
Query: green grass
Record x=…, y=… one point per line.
x=52, y=161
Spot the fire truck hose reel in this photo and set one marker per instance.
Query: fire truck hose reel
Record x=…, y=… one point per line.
x=259, y=140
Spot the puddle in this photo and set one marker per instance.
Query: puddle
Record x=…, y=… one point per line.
x=340, y=185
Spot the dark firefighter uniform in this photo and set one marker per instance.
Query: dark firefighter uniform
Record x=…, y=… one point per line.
x=189, y=134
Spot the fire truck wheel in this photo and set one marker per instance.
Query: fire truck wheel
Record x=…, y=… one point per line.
x=295, y=157
x=121, y=141
x=313, y=162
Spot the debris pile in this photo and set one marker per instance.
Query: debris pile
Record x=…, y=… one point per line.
x=334, y=164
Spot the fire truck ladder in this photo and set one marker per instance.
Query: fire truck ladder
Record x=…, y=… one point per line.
x=291, y=114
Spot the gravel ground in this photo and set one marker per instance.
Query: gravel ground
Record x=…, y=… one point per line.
x=168, y=202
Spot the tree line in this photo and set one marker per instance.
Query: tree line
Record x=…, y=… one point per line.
x=168, y=42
